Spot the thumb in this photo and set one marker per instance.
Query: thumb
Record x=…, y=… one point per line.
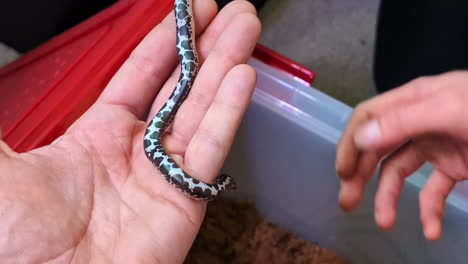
x=438, y=114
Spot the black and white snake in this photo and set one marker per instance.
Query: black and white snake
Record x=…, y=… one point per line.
x=154, y=150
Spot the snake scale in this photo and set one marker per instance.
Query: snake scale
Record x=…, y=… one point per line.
x=154, y=150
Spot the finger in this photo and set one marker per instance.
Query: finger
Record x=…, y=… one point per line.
x=139, y=79
x=233, y=47
x=352, y=189
x=365, y=168
x=211, y=143
x=415, y=91
x=432, y=202
x=229, y=51
x=395, y=169
x=347, y=155
x=406, y=122
x=205, y=44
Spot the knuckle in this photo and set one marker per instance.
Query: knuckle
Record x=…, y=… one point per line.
x=144, y=64
x=389, y=169
x=393, y=120
x=228, y=58
x=393, y=194
x=420, y=86
x=212, y=141
x=455, y=105
x=199, y=99
x=402, y=172
x=361, y=113
x=342, y=171
x=361, y=107
x=167, y=26
x=229, y=106
x=421, y=82
x=457, y=74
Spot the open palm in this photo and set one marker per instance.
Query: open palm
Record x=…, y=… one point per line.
x=92, y=196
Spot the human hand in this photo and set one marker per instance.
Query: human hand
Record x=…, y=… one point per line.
x=92, y=196
x=422, y=121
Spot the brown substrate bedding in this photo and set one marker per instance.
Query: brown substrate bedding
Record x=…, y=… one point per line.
x=236, y=233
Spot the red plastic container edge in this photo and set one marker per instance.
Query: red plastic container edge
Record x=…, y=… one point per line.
x=55, y=110
x=274, y=59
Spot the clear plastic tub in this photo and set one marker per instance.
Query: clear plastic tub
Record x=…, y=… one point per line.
x=283, y=159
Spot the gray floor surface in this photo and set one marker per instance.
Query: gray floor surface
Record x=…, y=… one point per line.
x=7, y=54
x=334, y=38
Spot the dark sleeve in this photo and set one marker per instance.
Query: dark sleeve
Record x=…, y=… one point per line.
x=418, y=38
x=26, y=24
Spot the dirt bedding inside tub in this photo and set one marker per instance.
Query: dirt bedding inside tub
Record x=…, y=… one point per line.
x=236, y=233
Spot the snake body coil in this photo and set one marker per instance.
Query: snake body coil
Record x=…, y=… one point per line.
x=154, y=150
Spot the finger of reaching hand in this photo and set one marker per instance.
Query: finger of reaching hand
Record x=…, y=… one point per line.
x=348, y=154
x=139, y=79
x=233, y=47
x=395, y=169
x=365, y=167
x=352, y=189
x=432, y=202
x=211, y=142
x=439, y=114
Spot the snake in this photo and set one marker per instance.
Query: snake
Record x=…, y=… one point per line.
x=162, y=121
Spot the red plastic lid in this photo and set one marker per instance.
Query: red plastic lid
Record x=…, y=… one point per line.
x=47, y=89
x=281, y=62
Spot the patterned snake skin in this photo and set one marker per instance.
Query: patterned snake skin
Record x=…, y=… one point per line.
x=154, y=150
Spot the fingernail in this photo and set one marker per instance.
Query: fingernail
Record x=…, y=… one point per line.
x=369, y=135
